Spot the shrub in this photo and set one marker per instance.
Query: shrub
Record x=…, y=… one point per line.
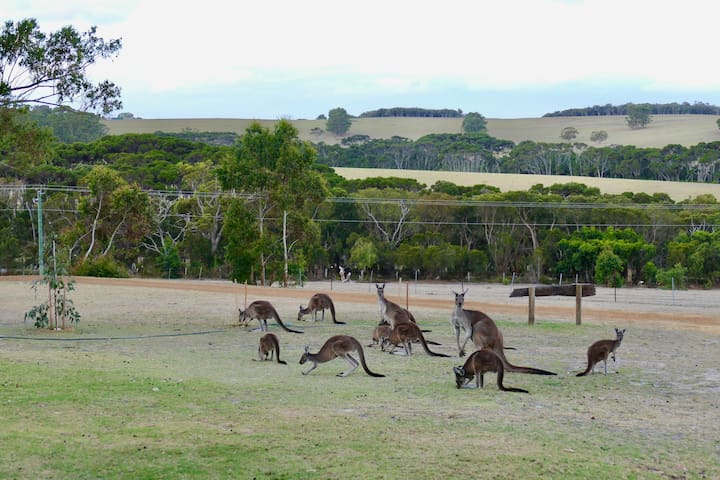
x=101, y=267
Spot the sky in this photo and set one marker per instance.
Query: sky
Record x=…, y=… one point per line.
x=298, y=59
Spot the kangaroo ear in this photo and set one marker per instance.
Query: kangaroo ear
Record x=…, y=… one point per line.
x=458, y=371
x=465, y=291
x=307, y=349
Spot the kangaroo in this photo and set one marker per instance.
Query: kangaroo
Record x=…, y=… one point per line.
x=600, y=350
x=485, y=334
x=390, y=312
x=338, y=346
x=262, y=310
x=269, y=345
x=319, y=301
x=477, y=365
x=405, y=334
x=381, y=331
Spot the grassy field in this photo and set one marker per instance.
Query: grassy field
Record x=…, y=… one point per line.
x=110, y=400
x=664, y=129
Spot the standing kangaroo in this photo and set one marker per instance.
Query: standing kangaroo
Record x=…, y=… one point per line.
x=262, y=310
x=485, y=334
x=269, y=345
x=334, y=347
x=477, y=365
x=600, y=350
x=321, y=302
x=405, y=334
x=391, y=312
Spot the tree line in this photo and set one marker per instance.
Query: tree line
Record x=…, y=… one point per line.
x=412, y=112
x=266, y=210
x=674, y=108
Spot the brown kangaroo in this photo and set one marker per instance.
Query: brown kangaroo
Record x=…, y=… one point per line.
x=262, y=310
x=477, y=365
x=338, y=346
x=269, y=345
x=485, y=334
x=405, y=334
x=600, y=350
x=381, y=331
x=321, y=302
x=391, y=312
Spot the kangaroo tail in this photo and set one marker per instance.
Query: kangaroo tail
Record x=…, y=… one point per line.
x=430, y=342
x=587, y=370
x=280, y=322
x=519, y=369
x=277, y=353
x=500, y=375
x=361, y=354
x=332, y=312
x=427, y=349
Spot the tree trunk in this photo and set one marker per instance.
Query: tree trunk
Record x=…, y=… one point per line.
x=285, y=249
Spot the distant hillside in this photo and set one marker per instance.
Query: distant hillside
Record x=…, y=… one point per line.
x=684, y=130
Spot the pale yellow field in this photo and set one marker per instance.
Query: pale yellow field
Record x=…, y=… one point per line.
x=663, y=130
x=678, y=191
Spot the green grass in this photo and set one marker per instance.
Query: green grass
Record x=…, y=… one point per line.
x=199, y=407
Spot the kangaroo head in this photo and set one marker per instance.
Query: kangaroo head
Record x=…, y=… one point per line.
x=304, y=357
x=460, y=298
x=380, y=289
x=460, y=376
x=620, y=333
x=300, y=312
x=242, y=318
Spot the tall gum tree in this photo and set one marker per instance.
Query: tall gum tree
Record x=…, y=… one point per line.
x=275, y=169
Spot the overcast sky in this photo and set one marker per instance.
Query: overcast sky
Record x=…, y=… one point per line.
x=300, y=58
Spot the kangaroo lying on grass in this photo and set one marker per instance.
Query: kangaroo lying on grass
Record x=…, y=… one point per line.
x=600, y=350
x=405, y=334
x=477, y=365
x=334, y=347
x=484, y=333
x=321, y=302
x=262, y=310
x=269, y=345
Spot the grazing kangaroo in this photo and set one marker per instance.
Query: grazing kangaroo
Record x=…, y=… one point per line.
x=405, y=334
x=338, y=346
x=321, y=302
x=485, y=334
x=262, y=310
x=381, y=332
x=477, y=365
x=269, y=345
x=600, y=350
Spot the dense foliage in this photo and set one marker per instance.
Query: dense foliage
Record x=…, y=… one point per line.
x=413, y=112
x=269, y=208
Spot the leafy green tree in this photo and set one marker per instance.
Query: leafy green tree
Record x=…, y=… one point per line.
x=569, y=134
x=638, y=115
x=363, y=254
x=69, y=125
x=598, y=136
x=609, y=268
x=474, y=123
x=51, y=69
x=275, y=168
x=24, y=148
x=338, y=121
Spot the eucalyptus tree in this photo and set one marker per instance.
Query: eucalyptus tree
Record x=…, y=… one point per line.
x=275, y=170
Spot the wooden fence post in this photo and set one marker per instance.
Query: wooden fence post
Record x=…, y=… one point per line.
x=531, y=304
x=578, y=303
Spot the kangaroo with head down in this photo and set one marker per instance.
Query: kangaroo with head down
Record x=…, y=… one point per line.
x=484, y=333
x=600, y=350
x=405, y=334
x=381, y=331
x=334, y=347
x=319, y=302
x=262, y=310
x=477, y=365
x=268, y=346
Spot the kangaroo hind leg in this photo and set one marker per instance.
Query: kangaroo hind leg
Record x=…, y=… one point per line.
x=353, y=365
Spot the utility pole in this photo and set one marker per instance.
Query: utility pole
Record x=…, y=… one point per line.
x=41, y=240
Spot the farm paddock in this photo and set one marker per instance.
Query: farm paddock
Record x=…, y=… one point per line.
x=157, y=381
